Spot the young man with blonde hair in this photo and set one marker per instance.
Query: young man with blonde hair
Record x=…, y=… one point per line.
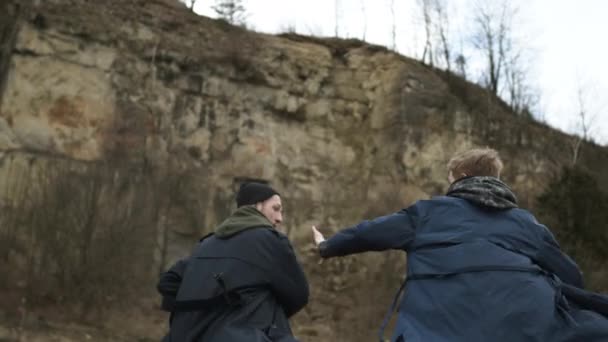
x=478, y=267
x=478, y=162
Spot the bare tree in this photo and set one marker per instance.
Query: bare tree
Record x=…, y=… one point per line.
x=314, y=30
x=191, y=4
x=461, y=60
x=437, y=46
x=492, y=36
x=506, y=59
x=289, y=28
x=393, y=27
x=461, y=65
x=337, y=15
x=232, y=11
x=522, y=97
x=425, y=5
x=81, y=230
x=584, y=123
x=442, y=31
x=364, y=13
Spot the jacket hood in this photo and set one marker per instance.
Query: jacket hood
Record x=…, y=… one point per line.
x=243, y=218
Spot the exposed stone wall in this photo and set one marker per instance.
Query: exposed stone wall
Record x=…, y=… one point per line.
x=344, y=130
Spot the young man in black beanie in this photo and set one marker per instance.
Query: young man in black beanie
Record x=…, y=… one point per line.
x=264, y=198
x=242, y=282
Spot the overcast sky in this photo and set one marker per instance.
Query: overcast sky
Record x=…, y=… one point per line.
x=565, y=41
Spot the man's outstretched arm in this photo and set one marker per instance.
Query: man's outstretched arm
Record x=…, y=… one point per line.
x=395, y=231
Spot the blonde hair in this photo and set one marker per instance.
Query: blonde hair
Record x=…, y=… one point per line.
x=475, y=162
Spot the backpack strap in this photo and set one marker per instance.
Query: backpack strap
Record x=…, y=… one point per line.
x=227, y=297
x=391, y=311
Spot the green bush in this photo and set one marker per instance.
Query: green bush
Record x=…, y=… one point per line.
x=576, y=210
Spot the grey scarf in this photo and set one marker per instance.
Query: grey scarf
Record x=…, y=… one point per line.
x=484, y=191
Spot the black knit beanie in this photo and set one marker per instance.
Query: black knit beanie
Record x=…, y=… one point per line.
x=252, y=193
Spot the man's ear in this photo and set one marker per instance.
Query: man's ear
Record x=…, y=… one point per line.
x=258, y=206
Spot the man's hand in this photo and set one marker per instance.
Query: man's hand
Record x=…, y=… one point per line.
x=317, y=236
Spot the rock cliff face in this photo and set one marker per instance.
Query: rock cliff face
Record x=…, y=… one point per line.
x=343, y=129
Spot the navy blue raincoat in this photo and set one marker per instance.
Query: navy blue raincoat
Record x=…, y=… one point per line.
x=476, y=273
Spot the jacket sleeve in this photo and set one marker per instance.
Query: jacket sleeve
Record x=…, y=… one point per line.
x=287, y=279
x=395, y=231
x=169, y=283
x=552, y=259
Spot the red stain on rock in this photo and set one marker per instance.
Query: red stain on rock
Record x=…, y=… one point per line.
x=67, y=112
x=261, y=147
